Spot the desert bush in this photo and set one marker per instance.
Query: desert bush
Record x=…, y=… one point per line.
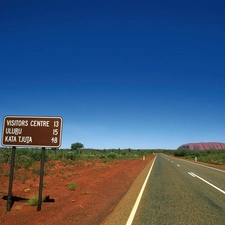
x=182, y=152
x=28, y=163
x=72, y=186
x=5, y=155
x=102, y=156
x=33, y=200
x=112, y=155
x=36, y=155
x=59, y=154
x=71, y=155
x=24, y=161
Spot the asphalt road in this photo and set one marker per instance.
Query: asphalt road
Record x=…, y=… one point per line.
x=179, y=192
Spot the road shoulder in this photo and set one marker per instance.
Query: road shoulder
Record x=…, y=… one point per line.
x=122, y=211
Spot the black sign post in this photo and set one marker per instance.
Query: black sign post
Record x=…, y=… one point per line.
x=41, y=179
x=34, y=131
x=9, y=199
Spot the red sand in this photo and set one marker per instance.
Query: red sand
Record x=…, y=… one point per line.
x=100, y=186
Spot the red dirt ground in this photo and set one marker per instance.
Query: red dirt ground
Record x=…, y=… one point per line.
x=100, y=186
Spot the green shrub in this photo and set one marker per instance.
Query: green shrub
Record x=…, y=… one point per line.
x=72, y=186
x=5, y=158
x=28, y=163
x=71, y=155
x=33, y=200
x=25, y=161
x=182, y=152
x=102, y=156
x=112, y=155
x=36, y=155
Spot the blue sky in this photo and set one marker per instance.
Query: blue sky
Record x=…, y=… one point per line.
x=122, y=74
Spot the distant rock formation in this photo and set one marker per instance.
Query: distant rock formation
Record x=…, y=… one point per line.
x=204, y=146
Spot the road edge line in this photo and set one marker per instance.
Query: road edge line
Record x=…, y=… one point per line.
x=133, y=212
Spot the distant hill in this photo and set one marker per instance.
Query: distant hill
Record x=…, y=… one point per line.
x=204, y=146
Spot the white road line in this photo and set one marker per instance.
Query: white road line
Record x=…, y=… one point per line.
x=132, y=214
x=178, y=165
x=194, y=175
x=190, y=173
x=212, y=168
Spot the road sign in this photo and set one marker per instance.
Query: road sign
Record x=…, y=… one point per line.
x=32, y=131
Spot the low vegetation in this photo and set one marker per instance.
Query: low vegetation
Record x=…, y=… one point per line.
x=33, y=201
x=72, y=186
x=29, y=158
x=208, y=156
x=26, y=157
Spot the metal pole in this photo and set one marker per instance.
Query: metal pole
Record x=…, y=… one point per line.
x=9, y=199
x=41, y=179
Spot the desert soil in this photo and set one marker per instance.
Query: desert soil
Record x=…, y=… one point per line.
x=100, y=187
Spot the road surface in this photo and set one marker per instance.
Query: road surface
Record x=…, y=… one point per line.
x=180, y=192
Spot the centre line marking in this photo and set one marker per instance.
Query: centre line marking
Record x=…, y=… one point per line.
x=194, y=175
